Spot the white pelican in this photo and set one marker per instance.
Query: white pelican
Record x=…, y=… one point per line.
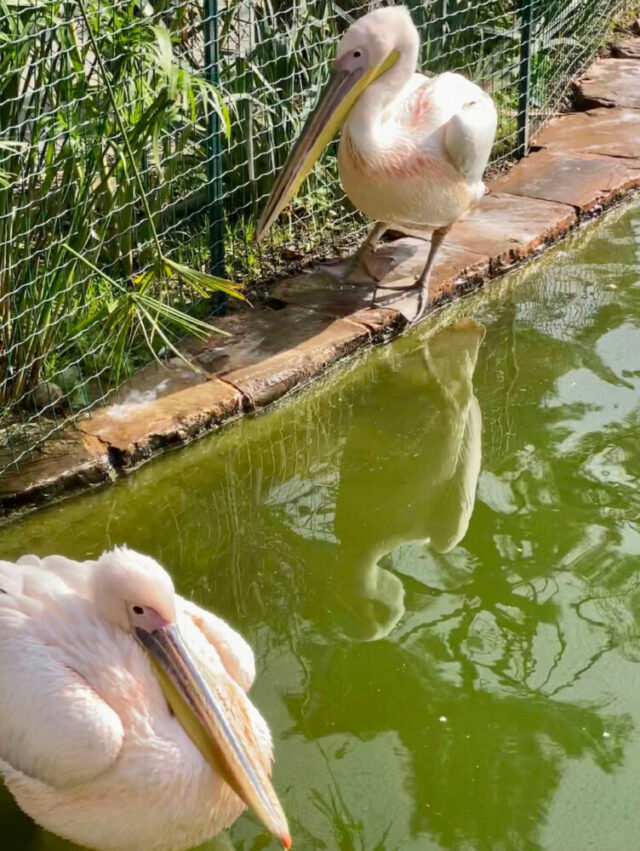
x=413, y=148
x=124, y=723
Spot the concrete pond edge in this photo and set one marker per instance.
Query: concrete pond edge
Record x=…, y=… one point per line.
x=582, y=164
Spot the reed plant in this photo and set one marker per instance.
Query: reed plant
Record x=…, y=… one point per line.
x=102, y=119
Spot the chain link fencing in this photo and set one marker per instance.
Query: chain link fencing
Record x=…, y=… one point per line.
x=136, y=133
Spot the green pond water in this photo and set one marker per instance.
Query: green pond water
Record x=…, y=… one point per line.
x=436, y=557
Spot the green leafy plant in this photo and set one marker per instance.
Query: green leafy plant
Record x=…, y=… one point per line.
x=97, y=138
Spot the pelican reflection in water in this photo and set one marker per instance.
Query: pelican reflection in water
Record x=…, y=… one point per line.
x=402, y=478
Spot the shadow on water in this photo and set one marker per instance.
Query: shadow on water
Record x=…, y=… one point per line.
x=435, y=555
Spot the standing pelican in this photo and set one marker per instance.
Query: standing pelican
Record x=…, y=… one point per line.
x=413, y=148
x=124, y=720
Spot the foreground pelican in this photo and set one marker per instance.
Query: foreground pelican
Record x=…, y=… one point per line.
x=124, y=723
x=413, y=148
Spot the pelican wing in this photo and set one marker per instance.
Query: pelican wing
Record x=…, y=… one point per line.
x=40, y=579
x=469, y=135
x=236, y=655
x=53, y=726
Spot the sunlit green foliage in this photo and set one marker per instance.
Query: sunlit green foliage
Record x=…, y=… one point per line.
x=88, y=117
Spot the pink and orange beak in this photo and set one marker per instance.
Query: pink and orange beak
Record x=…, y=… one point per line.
x=210, y=713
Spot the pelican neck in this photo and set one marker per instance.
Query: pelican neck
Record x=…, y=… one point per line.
x=366, y=113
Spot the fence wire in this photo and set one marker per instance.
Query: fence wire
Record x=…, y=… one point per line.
x=199, y=104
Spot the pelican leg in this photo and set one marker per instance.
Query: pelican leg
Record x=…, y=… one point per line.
x=437, y=238
x=364, y=253
x=373, y=238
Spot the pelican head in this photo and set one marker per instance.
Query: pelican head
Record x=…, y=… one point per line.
x=369, y=48
x=133, y=593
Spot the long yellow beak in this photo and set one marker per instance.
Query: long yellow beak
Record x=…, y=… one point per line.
x=210, y=713
x=338, y=97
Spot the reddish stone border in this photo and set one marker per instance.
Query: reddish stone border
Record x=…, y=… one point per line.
x=581, y=164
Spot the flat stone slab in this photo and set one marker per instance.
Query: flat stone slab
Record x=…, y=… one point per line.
x=609, y=82
x=65, y=463
x=508, y=229
x=612, y=132
x=627, y=49
x=132, y=433
x=383, y=322
x=272, y=351
x=321, y=291
x=154, y=381
x=322, y=288
x=583, y=180
x=455, y=263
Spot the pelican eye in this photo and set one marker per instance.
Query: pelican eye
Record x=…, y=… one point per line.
x=357, y=54
x=138, y=610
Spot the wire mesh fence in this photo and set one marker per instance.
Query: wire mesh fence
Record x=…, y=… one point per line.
x=135, y=133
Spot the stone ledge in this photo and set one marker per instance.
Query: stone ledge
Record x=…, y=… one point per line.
x=585, y=181
x=629, y=48
x=383, y=323
x=583, y=162
x=509, y=229
x=322, y=289
x=271, y=352
x=502, y=231
x=133, y=433
x=609, y=82
x=613, y=132
x=70, y=463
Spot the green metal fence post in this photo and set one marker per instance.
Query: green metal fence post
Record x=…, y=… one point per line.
x=524, y=77
x=214, y=152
